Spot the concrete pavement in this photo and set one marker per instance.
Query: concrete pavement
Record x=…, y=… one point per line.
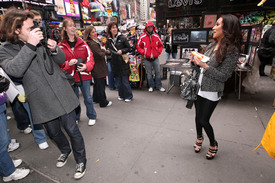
x=150, y=139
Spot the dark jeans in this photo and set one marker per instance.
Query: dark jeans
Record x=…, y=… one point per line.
x=99, y=95
x=264, y=62
x=56, y=134
x=204, y=110
x=124, y=88
x=20, y=114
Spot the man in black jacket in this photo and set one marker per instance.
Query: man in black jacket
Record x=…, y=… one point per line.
x=267, y=50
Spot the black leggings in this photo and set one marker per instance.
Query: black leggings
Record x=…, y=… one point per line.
x=204, y=110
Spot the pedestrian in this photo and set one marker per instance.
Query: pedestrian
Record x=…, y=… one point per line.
x=150, y=47
x=100, y=68
x=170, y=49
x=49, y=93
x=79, y=63
x=21, y=109
x=266, y=51
x=8, y=167
x=224, y=54
x=116, y=45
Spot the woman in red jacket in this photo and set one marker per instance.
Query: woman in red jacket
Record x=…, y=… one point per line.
x=79, y=63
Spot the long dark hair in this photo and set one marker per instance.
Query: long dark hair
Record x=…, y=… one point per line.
x=232, y=36
x=110, y=25
x=64, y=35
x=12, y=21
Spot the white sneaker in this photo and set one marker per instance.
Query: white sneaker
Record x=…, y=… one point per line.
x=43, y=145
x=151, y=89
x=76, y=122
x=128, y=100
x=91, y=122
x=17, y=162
x=13, y=146
x=109, y=104
x=19, y=173
x=162, y=89
x=8, y=117
x=27, y=130
x=120, y=99
x=80, y=170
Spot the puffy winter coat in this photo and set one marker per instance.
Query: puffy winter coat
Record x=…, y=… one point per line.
x=149, y=46
x=81, y=50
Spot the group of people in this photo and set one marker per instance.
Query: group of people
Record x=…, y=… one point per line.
x=43, y=72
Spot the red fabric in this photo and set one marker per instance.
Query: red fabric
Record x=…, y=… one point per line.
x=81, y=50
x=149, y=46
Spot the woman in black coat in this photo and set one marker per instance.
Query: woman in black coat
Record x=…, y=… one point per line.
x=169, y=48
x=117, y=45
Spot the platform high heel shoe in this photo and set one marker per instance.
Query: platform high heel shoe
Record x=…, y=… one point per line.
x=198, y=145
x=212, y=151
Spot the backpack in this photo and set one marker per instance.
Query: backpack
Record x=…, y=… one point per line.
x=269, y=138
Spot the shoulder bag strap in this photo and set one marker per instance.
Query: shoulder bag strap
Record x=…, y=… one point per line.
x=113, y=46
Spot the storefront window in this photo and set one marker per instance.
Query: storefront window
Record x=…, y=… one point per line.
x=186, y=22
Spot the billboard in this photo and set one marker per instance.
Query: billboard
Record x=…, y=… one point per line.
x=61, y=7
x=72, y=8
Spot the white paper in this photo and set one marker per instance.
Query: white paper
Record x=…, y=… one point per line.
x=13, y=91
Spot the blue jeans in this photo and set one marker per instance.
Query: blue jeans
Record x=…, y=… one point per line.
x=112, y=81
x=23, y=117
x=6, y=164
x=71, y=128
x=88, y=99
x=124, y=88
x=174, y=55
x=39, y=135
x=148, y=67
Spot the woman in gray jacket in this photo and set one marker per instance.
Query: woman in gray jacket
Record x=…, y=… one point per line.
x=223, y=53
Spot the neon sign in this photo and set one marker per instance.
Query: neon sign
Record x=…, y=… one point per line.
x=179, y=3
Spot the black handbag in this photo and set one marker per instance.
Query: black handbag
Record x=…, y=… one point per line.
x=4, y=84
x=79, y=62
x=190, y=89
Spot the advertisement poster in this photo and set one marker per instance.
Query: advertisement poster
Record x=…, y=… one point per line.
x=209, y=21
x=72, y=8
x=103, y=10
x=85, y=13
x=61, y=8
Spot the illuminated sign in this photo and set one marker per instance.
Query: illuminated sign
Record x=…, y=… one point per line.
x=179, y=3
x=72, y=8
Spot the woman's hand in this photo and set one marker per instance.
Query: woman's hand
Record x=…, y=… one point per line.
x=72, y=62
x=81, y=68
x=108, y=51
x=198, y=61
x=119, y=52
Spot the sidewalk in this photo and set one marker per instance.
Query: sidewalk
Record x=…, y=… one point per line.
x=150, y=139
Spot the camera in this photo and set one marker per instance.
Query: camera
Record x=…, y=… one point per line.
x=36, y=25
x=49, y=32
x=80, y=61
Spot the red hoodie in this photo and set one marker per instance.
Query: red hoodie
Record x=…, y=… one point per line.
x=149, y=46
x=81, y=50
